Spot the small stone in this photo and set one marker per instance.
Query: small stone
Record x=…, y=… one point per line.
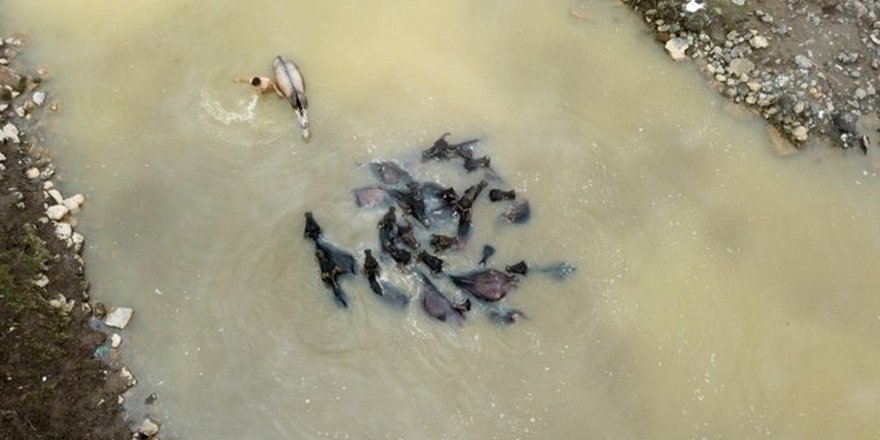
x=861, y=93
x=100, y=310
x=151, y=399
x=799, y=107
x=676, y=48
x=128, y=376
x=10, y=132
x=115, y=340
x=32, y=173
x=759, y=42
x=39, y=98
x=48, y=172
x=148, y=428
x=738, y=2
x=71, y=204
x=754, y=86
x=740, y=66
x=118, y=317
x=2, y=157
x=74, y=202
x=60, y=302
x=803, y=62
x=77, y=238
x=846, y=122
x=56, y=212
x=56, y=196
x=63, y=231
x=41, y=281
x=846, y=57
x=800, y=133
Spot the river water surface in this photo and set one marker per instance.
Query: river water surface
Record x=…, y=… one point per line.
x=722, y=292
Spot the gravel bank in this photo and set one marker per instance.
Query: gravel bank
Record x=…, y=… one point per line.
x=810, y=68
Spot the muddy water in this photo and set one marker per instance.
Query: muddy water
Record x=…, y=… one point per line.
x=721, y=293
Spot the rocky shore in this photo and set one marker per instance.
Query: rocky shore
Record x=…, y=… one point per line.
x=60, y=374
x=810, y=68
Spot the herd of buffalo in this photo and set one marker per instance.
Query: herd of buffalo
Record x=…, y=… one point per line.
x=431, y=217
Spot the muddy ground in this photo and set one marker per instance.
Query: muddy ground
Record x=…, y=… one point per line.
x=809, y=67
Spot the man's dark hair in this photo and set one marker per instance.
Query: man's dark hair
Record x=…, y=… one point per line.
x=255, y=81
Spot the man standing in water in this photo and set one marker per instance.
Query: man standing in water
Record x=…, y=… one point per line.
x=261, y=83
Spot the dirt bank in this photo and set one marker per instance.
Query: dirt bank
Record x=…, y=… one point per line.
x=51, y=384
x=810, y=68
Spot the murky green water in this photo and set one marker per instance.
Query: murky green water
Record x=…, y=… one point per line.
x=722, y=292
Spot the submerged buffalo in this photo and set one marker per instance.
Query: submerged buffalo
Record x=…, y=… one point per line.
x=437, y=305
x=387, y=292
x=442, y=150
x=332, y=262
x=371, y=196
x=557, y=270
x=518, y=212
x=388, y=238
x=389, y=173
x=433, y=263
x=488, y=285
x=488, y=252
x=497, y=195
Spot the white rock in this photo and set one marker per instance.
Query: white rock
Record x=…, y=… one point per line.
x=676, y=48
x=738, y=2
x=759, y=42
x=74, y=202
x=115, y=340
x=803, y=62
x=694, y=6
x=9, y=132
x=41, y=281
x=78, y=198
x=71, y=205
x=118, y=317
x=148, y=428
x=56, y=196
x=2, y=157
x=60, y=302
x=77, y=238
x=47, y=185
x=800, y=133
x=63, y=230
x=741, y=66
x=128, y=376
x=56, y=212
x=32, y=173
x=39, y=98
